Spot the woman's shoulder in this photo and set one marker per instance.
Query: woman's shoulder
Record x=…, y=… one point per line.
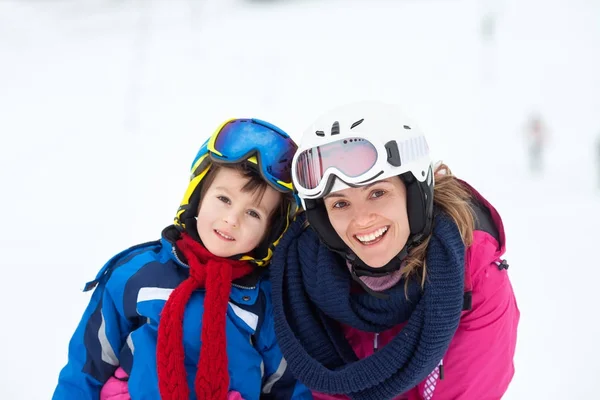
x=489, y=239
x=484, y=257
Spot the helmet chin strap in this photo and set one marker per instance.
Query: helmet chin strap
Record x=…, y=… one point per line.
x=359, y=268
x=362, y=269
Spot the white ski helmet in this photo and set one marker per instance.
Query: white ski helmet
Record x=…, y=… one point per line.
x=355, y=145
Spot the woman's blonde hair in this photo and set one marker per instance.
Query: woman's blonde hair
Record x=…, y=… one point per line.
x=452, y=198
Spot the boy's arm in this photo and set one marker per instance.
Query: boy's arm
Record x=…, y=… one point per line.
x=95, y=345
x=278, y=381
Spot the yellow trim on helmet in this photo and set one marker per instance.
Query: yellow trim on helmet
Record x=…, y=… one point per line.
x=197, y=164
x=213, y=138
x=287, y=185
x=194, y=182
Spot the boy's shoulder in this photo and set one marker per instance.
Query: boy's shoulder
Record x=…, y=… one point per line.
x=129, y=261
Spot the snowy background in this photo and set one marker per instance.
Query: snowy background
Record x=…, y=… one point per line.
x=103, y=105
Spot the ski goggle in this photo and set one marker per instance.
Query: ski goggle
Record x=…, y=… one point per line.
x=356, y=161
x=258, y=142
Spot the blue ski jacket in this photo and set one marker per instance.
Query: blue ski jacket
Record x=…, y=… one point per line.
x=120, y=325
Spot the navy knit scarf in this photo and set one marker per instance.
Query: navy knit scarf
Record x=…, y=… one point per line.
x=311, y=296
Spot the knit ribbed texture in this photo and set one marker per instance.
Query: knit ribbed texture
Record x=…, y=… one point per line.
x=215, y=274
x=311, y=297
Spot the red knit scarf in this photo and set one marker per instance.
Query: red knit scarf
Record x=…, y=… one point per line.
x=215, y=274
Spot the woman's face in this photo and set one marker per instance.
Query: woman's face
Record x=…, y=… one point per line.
x=372, y=220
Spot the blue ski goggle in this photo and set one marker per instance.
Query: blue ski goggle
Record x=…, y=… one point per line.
x=259, y=143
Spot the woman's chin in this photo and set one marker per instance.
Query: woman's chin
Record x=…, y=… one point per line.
x=374, y=261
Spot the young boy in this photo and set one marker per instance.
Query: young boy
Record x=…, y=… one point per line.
x=190, y=315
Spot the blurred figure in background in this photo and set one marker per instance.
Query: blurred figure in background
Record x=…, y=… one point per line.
x=597, y=155
x=536, y=135
x=488, y=27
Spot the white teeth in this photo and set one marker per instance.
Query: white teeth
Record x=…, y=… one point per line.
x=224, y=235
x=372, y=236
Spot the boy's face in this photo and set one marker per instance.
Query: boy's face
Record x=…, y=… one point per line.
x=231, y=221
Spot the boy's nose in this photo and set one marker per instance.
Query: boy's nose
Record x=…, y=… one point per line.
x=232, y=220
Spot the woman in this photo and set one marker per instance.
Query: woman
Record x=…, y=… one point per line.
x=391, y=285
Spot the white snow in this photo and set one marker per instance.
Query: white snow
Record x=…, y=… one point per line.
x=104, y=103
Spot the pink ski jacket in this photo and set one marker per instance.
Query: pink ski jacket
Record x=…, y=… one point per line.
x=479, y=362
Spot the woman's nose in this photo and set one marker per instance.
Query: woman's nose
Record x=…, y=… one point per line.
x=364, y=216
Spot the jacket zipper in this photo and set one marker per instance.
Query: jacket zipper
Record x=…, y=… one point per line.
x=375, y=343
x=187, y=266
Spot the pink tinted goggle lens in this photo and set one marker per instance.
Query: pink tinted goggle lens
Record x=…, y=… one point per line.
x=352, y=157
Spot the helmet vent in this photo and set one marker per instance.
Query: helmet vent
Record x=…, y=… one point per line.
x=335, y=128
x=357, y=123
x=320, y=133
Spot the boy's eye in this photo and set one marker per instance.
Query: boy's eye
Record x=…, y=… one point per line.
x=253, y=214
x=224, y=199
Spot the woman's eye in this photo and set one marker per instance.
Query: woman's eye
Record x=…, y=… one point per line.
x=253, y=214
x=340, y=204
x=378, y=193
x=224, y=199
